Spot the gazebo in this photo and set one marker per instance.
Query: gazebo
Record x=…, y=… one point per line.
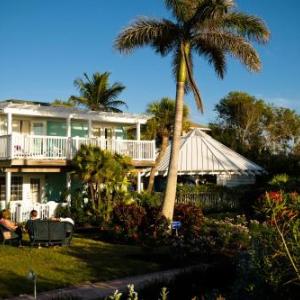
x=200, y=154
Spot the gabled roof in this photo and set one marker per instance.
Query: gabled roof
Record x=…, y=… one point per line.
x=201, y=154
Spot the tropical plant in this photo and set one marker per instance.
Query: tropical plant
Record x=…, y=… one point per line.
x=62, y=103
x=210, y=28
x=97, y=94
x=160, y=127
x=105, y=174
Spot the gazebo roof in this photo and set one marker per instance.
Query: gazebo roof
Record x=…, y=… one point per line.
x=201, y=154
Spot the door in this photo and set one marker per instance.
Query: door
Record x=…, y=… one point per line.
x=35, y=190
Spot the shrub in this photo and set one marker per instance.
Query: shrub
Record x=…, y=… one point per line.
x=154, y=228
x=191, y=218
x=126, y=221
x=224, y=236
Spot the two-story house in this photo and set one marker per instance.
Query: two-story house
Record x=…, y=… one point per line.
x=38, y=141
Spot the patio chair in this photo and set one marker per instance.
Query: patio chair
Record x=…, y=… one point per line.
x=7, y=235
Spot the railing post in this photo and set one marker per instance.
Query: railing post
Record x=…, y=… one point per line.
x=9, y=145
x=153, y=150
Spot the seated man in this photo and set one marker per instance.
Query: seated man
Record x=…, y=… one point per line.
x=10, y=225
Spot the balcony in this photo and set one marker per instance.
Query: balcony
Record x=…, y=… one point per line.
x=33, y=147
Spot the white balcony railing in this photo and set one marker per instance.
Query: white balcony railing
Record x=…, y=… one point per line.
x=18, y=146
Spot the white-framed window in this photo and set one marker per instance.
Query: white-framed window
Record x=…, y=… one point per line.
x=16, y=188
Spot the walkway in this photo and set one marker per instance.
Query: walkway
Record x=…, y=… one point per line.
x=99, y=290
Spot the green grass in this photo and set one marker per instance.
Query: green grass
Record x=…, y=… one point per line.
x=85, y=260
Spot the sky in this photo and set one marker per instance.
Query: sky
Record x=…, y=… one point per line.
x=45, y=45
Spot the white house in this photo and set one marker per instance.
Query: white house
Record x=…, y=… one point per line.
x=200, y=154
x=38, y=141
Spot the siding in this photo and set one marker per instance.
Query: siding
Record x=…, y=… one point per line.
x=235, y=180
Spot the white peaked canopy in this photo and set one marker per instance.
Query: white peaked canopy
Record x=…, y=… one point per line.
x=201, y=154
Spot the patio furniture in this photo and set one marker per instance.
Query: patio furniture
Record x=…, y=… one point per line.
x=7, y=235
x=49, y=232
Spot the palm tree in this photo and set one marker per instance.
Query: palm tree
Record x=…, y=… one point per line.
x=97, y=94
x=160, y=127
x=209, y=28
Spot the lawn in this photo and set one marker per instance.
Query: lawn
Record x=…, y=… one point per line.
x=85, y=260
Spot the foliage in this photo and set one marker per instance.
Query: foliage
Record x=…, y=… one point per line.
x=105, y=174
x=97, y=94
x=160, y=127
x=126, y=221
x=225, y=236
x=146, y=199
x=271, y=265
x=191, y=218
x=267, y=134
x=81, y=210
x=251, y=126
x=211, y=29
x=154, y=228
x=285, y=183
x=163, y=117
x=62, y=103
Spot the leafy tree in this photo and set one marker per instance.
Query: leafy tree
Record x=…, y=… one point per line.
x=105, y=174
x=209, y=28
x=97, y=94
x=160, y=127
x=251, y=126
x=240, y=121
x=282, y=126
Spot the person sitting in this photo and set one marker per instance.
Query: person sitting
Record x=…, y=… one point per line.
x=34, y=215
x=10, y=225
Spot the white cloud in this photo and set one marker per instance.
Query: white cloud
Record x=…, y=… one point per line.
x=284, y=102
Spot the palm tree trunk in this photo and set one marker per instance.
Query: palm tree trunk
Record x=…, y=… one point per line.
x=170, y=193
x=163, y=148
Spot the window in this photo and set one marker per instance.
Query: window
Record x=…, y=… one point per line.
x=16, y=188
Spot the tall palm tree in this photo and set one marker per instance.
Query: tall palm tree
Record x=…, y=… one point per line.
x=97, y=94
x=209, y=28
x=160, y=127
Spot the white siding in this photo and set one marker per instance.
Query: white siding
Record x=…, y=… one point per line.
x=235, y=180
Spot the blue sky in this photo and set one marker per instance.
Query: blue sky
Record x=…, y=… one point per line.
x=45, y=45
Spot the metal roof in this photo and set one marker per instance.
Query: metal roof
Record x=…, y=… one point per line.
x=201, y=154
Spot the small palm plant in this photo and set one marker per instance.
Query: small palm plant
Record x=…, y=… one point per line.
x=208, y=28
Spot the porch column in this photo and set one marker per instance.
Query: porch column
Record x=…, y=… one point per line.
x=69, y=134
x=69, y=126
x=90, y=128
x=68, y=186
x=139, y=182
x=9, y=123
x=138, y=131
x=7, y=188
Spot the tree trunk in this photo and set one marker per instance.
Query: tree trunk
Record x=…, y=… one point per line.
x=170, y=193
x=163, y=148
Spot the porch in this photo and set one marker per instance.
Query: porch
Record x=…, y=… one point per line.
x=41, y=147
